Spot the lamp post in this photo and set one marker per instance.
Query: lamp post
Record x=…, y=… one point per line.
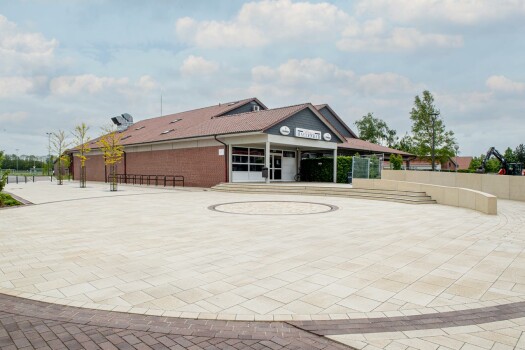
x=17, y=160
x=456, y=147
x=48, y=151
x=433, y=117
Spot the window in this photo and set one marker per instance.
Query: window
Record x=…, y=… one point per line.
x=289, y=154
x=247, y=159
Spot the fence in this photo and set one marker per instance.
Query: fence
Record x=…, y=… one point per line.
x=367, y=167
x=27, y=178
x=136, y=179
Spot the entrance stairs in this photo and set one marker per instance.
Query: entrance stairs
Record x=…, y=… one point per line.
x=325, y=189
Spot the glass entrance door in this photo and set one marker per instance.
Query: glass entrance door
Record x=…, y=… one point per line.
x=276, y=167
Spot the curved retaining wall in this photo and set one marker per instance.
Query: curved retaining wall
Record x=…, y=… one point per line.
x=504, y=187
x=446, y=195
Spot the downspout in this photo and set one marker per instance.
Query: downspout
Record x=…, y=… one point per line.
x=225, y=158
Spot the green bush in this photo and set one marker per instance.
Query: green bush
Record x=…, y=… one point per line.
x=7, y=201
x=396, y=161
x=321, y=169
x=3, y=180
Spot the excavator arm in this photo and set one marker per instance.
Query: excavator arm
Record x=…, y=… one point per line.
x=494, y=152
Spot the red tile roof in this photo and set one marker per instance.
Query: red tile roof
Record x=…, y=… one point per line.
x=208, y=121
x=358, y=144
x=462, y=162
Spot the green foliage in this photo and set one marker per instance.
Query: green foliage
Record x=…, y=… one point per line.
x=7, y=201
x=1, y=158
x=3, y=180
x=492, y=166
x=376, y=130
x=519, y=153
x=425, y=124
x=509, y=155
x=396, y=161
x=321, y=169
x=406, y=144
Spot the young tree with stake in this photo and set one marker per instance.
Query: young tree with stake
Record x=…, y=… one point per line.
x=82, y=141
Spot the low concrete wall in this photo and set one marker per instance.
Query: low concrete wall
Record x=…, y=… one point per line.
x=504, y=187
x=446, y=195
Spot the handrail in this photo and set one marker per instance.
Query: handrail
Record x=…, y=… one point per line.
x=141, y=179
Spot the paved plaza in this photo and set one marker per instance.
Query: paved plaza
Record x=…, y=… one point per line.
x=365, y=273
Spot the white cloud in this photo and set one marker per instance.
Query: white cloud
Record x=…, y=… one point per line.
x=373, y=36
x=386, y=83
x=297, y=72
x=147, y=83
x=13, y=117
x=501, y=83
x=17, y=85
x=457, y=11
x=87, y=83
x=263, y=22
x=195, y=65
x=23, y=50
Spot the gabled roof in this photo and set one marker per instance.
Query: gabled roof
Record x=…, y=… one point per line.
x=324, y=105
x=179, y=125
x=211, y=121
x=358, y=144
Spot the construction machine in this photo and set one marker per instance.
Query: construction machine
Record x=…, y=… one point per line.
x=506, y=168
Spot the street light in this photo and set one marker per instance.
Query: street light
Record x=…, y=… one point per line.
x=433, y=117
x=48, y=151
x=456, y=147
x=17, y=160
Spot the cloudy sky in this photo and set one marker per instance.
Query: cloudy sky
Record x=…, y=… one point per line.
x=63, y=62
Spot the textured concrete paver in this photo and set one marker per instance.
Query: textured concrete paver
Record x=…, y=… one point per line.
x=26, y=324
x=155, y=250
x=161, y=252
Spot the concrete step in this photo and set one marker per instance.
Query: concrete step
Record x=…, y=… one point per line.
x=335, y=191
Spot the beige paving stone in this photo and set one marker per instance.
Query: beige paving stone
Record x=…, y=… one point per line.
x=262, y=305
x=284, y=295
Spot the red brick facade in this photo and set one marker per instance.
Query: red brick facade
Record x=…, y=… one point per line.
x=201, y=167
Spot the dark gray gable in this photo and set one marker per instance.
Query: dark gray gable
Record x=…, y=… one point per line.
x=305, y=119
x=247, y=107
x=332, y=119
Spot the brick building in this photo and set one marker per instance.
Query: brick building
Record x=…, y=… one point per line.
x=229, y=142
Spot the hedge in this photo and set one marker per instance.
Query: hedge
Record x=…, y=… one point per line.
x=321, y=169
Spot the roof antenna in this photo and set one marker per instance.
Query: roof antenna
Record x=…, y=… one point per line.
x=161, y=102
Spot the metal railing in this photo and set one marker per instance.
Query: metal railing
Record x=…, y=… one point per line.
x=25, y=178
x=156, y=180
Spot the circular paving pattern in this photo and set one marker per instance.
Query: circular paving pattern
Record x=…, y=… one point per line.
x=273, y=208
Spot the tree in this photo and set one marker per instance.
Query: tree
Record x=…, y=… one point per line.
x=406, y=144
x=59, y=144
x=492, y=166
x=82, y=146
x=509, y=155
x=396, y=161
x=1, y=158
x=376, y=130
x=429, y=131
x=519, y=153
x=112, y=151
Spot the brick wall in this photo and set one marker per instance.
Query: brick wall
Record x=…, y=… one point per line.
x=201, y=167
x=94, y=168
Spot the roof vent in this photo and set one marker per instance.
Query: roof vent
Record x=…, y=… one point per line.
x=232, y=103
x=167, y=131
x=140, y=127
x=122, y=121
x=174, y=121
x=256, y=108
x=126, y=137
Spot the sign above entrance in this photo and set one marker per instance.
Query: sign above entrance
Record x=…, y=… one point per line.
x=327, y=136
x=308, y=134
x=284, y=130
